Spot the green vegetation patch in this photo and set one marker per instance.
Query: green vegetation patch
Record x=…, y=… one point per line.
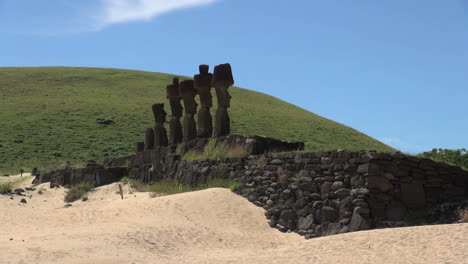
x=77, y=192
x=51, y=115
x=172, y=187
x=457, y=157
x=215, y=150
x=5, y=188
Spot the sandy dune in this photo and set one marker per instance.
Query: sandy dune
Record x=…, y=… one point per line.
x=210, y=226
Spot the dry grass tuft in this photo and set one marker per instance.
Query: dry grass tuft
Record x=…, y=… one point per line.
x=282, y=175
x=262, y=162
x=214, y=150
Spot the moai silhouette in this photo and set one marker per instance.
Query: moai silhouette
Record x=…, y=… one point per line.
x=188, y=93
x=149, y=139
x=222, y=79
x=174, y=97
x=160, y=135
x=139, y=147
x=202, y=83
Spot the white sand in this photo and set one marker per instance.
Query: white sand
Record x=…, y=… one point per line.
x=210, y=226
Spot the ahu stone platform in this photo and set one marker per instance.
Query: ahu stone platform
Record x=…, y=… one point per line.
x=311, y=193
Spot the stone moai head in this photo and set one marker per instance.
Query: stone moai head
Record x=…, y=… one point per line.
x=222, y=75
x=222, y=79
x=202, y=83
x=188, y=93
x=172, y=90
x=159, y=113
x=203, y=68
x=174, y=97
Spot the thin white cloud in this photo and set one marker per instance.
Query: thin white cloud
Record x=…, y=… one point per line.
x=122, y=11
x=402, y=146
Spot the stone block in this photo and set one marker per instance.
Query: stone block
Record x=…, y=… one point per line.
x=359, y=222
x=328, y=214
x=395, y=211
x=305, y=223
x=380, y=183
x=370, y=168
x=413, y=195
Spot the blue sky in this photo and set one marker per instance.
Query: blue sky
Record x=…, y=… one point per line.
x=396, y=70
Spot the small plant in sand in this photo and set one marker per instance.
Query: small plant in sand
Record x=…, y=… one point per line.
x=5, y=188
x=77, y=192
x=125, y=180
x=234, y=187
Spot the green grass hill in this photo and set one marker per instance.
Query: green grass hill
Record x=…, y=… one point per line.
x=50, y=115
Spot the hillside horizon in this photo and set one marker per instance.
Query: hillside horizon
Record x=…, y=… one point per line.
x=49, y=116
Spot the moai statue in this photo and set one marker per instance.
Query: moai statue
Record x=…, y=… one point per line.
x=149, y=139
x=222, y=79
x=202, y=83
x=160, y=135
x=174, y=97
x=188, y=93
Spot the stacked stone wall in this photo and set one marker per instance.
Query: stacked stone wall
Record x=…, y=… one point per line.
x=313, y=194
x=326, y=193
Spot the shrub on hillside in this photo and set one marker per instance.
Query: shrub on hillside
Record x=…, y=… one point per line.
x=458, y=157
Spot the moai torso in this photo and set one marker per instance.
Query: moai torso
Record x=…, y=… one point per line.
x=160, y=135
x=188, y=93
x=202, y=83
x=149, y=139
x=139, y=147
x=174, y=97
x=175, y=127
x=222, y=79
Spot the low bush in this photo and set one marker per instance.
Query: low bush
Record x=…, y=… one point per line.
x=234, y=187
x=77, y=192
x=125, y=180
x=5, y=188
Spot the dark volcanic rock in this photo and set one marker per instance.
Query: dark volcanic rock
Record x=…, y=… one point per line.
x=287, y=218
x=305, y=223
x=328, y=214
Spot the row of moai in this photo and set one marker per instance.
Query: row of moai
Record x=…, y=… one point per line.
x=186, y=91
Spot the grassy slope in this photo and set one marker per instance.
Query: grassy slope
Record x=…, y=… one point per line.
x=53, y=112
